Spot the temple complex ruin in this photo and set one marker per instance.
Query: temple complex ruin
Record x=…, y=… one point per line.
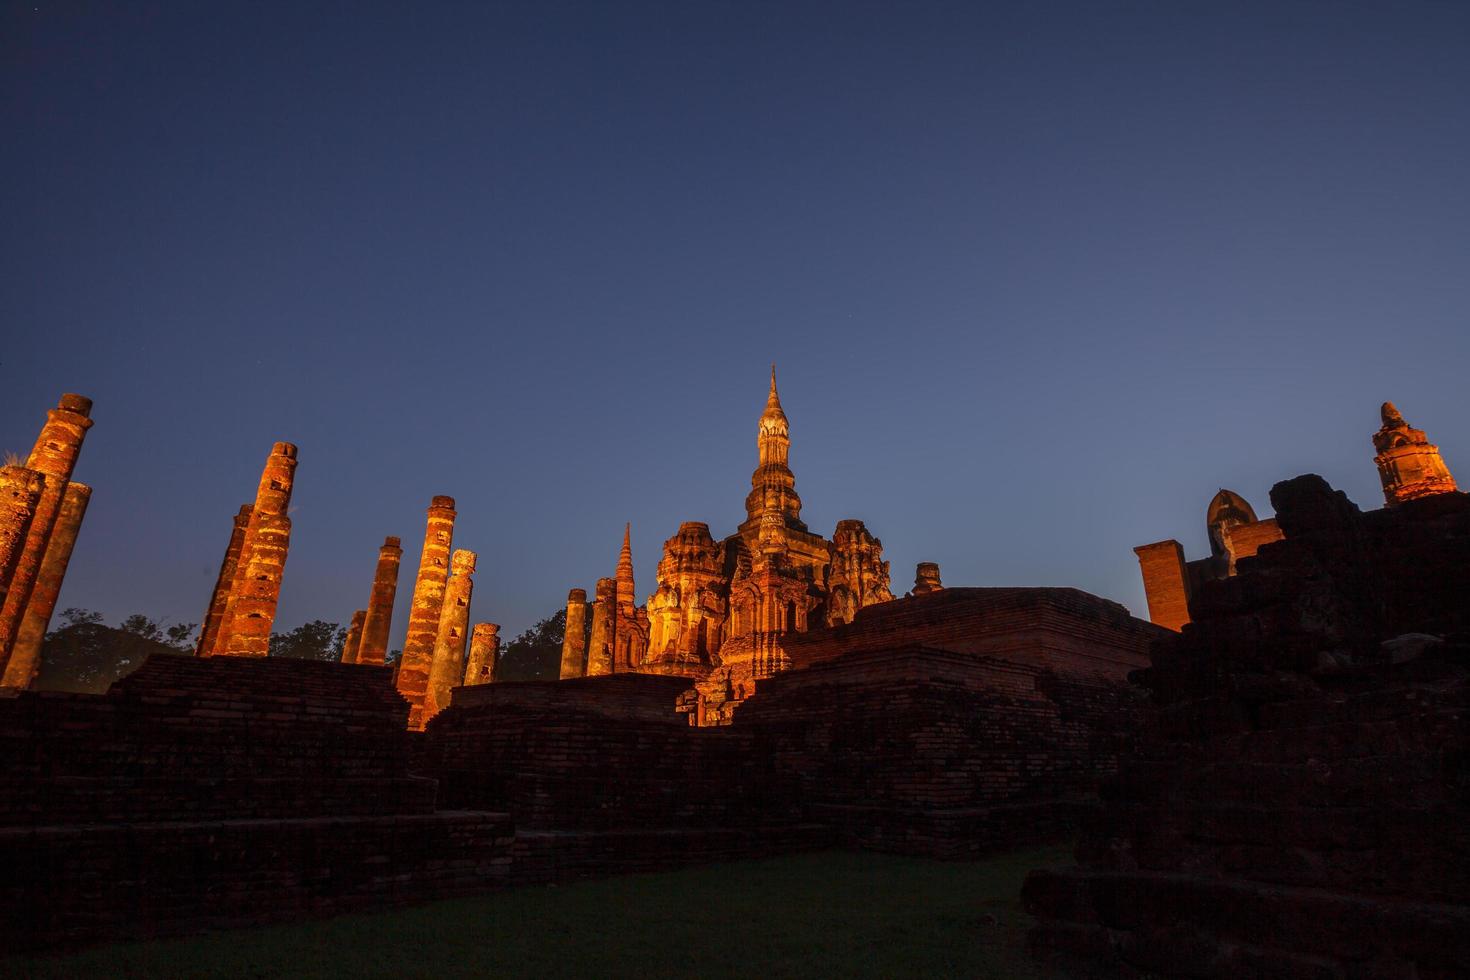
x=447, y=669
x=721, y=608
x=33, y=572
x=484, y=655
x=1408, y=465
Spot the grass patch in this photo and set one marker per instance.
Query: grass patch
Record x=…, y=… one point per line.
x=811, y=915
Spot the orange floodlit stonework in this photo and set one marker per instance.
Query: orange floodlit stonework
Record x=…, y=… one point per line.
x=484, y=654
x=54, y=457
x=379, y=619
x=1408, y=465
x=428, y=602
x=25, y=659
x=353, y=641
x=219, y=599
x=574, y=644
x=926, y=578
x=250, y=609
x=721, y=608
x=447, y=670
x=20, y=490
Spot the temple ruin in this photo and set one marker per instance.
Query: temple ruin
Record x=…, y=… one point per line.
x=721, y=608
x=255, y=590
x=378, y=621
x=447, y=669
x=484, y=655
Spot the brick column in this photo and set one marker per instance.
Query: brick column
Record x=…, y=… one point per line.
x=600, y=646
x=219, y=598
x=1165, y=583
x=251, y=609
x=379, y=620
x=20, y=491
x=484, y=654
x=25, y=659
x=353, y=642
x=428, y=601
x=574, y=643
x=54, y=456
x=447, y=670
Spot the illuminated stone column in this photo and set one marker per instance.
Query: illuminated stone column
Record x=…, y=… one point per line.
x=251, y=609
x=218, y=599
x=54, y=456
x=600, y=646
x=353, y=643
x=574, y=642
x=447, y=670
x=484, y=654
x=20, y=492
x=374, y=648
x=25, y=659
x=428, y=601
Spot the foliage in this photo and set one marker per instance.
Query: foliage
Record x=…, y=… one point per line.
x=316, y=640
x=84, y=655
x=535, y=655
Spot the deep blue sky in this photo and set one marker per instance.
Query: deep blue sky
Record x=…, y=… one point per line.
x=1039, y=277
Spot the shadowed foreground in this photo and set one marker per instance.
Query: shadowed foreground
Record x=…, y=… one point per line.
x=809, y=915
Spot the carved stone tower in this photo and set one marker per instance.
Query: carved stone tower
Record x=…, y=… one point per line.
x=1408, y=465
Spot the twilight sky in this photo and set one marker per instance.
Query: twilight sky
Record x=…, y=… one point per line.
x=1039, y=277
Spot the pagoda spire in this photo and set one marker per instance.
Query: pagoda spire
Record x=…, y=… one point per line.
x=773, y=485
x=626, y=594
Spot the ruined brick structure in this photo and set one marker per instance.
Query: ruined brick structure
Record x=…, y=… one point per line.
x=926, y=578
x=25, y=658
x=1298, y=808
x=220, y=597
x=484, y=654
x=20, y=490
x=352, y=643
x=600, y=642
x=447, y=669
x=1408, y=465
x=53, y=458
x=222, y=792
x=428, y=601
x=722, y=608
x=378, y=622
x=250, y=608
x=1169, y=581
x=574, y=641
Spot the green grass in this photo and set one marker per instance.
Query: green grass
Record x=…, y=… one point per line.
x=813, y=915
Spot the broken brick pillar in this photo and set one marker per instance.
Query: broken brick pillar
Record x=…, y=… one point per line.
x=484, y=654
x=446, y=672
x=1165, y=583
x=379, y=620
x=926, y=578
x=600, y=645
x=20, y=491
x=219, y=598
x=25, y=659
x=353, y=643
x=428, y=601
x=574, y=641
x=54, y=456
x=250, y=611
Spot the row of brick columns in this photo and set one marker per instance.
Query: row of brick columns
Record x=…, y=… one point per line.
x=41, y=511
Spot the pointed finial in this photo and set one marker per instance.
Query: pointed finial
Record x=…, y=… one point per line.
x=1390, y=415
x=625, y=557
x=773, y=377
